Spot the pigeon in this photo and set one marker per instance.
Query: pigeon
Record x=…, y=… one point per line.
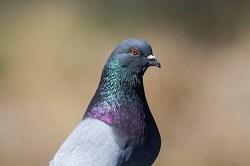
x=117, y=128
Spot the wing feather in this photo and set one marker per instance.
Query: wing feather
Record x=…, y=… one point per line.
x=92, y=142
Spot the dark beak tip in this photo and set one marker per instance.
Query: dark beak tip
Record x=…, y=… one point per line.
x=159, y=65
x=155, y=63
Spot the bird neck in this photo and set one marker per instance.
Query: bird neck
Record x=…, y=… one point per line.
x=120, y=101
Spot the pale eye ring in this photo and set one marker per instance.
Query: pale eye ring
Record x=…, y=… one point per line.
x=134, y=51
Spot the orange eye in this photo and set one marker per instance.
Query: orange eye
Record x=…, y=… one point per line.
x=134, y=51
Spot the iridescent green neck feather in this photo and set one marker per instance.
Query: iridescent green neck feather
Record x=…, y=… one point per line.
x=119, y=100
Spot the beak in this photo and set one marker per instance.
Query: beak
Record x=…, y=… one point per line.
x=153, y=61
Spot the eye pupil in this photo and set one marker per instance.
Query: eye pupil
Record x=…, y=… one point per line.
x=134, y=51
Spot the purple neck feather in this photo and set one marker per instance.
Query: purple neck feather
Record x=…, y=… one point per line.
x=130, y=121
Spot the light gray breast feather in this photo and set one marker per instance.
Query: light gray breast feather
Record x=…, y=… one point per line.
x=92, y=142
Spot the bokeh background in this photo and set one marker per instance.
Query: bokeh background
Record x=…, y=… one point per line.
x=52, y=54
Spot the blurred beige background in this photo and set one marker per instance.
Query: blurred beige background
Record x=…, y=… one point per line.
x=52, y=54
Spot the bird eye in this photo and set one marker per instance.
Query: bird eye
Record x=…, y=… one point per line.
x=134, y=51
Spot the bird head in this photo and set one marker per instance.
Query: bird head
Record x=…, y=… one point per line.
x=134, y=55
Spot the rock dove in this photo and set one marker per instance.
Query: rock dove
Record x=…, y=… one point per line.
x=117, y=128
